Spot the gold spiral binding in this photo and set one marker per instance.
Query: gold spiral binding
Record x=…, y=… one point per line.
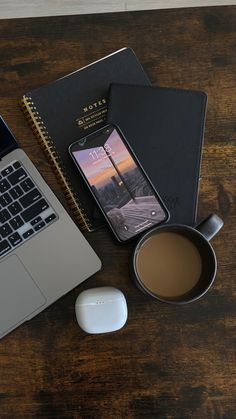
x=48, y=146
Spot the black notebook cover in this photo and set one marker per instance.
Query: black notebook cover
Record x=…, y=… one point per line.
x=71, y=107
x=165, y=128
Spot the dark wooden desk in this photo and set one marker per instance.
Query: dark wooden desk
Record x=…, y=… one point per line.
x=167, y=362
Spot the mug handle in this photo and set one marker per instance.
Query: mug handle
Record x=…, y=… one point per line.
x=210, y=226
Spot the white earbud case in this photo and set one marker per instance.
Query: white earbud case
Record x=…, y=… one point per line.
x=101, y=310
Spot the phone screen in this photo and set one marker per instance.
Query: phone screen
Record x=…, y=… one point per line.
x=7, y=139
x=119, y=185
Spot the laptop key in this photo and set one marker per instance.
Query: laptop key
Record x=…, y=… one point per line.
x=15, y=239
x=50, y=218
x=5, y=199
x=16, y=165
x=16, y=192
x=7, y=171
x=15, y=208
x=4, y=185
x=17, y=176
x=36, y=221
x=5, y=230
x=39, y=226
x=4, y=247
x=34, y=210
x=16, y=222
x=4, y=216
x=30, y=198
x=28, y=233
x=27, y=184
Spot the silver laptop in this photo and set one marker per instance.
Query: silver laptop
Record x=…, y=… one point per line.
x=43, y=255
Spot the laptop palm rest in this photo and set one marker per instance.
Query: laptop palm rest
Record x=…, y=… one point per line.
x=19, y=295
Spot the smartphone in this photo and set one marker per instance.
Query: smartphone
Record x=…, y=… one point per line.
x=118, y=183
x=8, y=142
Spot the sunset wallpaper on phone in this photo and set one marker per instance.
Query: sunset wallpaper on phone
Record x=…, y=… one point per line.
x=120, y=186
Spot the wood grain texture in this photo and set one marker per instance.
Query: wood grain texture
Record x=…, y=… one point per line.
x=167, y=362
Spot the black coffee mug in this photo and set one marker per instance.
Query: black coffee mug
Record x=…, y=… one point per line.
x=200, y=237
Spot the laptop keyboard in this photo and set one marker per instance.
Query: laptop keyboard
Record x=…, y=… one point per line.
x=24, y=211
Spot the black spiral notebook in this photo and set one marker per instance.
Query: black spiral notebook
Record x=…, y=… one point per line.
x=165, y=128
x=70, y=108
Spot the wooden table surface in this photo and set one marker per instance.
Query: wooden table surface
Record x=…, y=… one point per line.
x=167, y=362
